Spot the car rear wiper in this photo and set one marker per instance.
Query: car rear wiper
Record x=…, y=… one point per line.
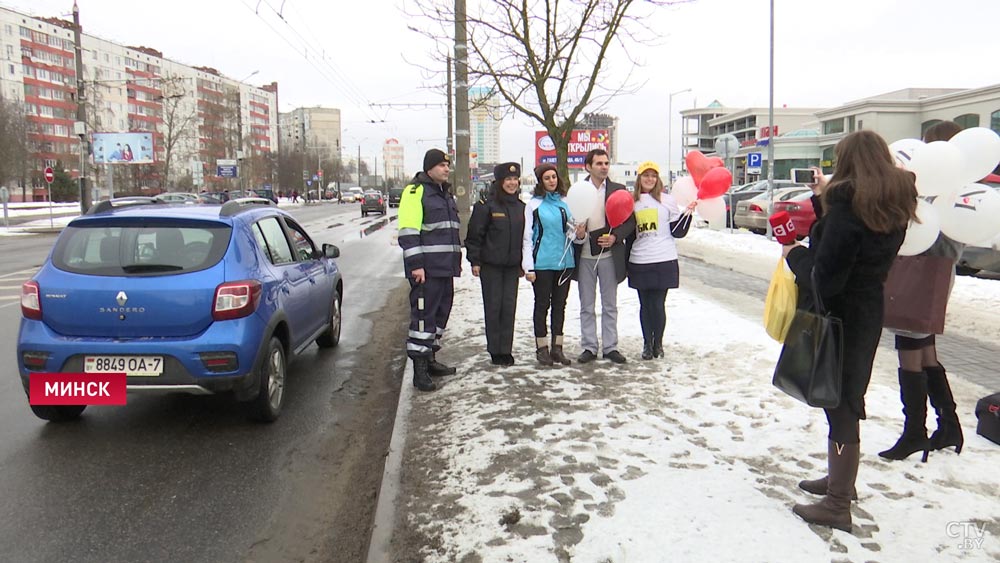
x=140, y=268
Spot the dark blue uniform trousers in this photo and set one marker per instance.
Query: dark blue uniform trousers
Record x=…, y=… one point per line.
x=430, y=307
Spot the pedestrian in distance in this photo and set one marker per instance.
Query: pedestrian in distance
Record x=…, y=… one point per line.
x=547, y=260
x=432, y=259
x=493, y=247
x=921, y=374
x=652, y=263
x=863, y=212
x=601, y=261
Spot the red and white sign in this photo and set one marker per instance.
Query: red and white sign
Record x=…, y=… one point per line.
x=77, y=389
x=50, y=174
x=581, y=141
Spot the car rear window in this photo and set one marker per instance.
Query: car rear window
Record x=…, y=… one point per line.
x=140, y=250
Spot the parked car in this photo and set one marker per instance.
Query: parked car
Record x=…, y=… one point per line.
x=373, y=202
x=752, y=213
x=191, y=299
x=800, y=209
x=737, y=194
x=178, y=197
x=210, y=198
x=395, y=196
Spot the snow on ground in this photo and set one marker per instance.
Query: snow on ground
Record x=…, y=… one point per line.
x=973, y=310
x=694, y=457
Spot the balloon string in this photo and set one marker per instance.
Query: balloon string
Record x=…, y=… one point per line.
x=685, y=213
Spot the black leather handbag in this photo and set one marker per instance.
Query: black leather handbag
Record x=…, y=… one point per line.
x=810, y=367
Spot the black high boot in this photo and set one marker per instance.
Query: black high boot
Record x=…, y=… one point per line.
x=647, y=350
x=834, y=510
x=436, y=368
x=657, y=348
x=913, y=394
x=421, y=377
x=949, y=431
x=557, y=351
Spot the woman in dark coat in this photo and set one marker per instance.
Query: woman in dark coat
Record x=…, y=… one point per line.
x=863, y=213
x=493, y=247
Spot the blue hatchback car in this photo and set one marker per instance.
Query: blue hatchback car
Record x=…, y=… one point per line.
x=181, y=298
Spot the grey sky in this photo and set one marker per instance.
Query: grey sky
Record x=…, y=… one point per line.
x=826, y=53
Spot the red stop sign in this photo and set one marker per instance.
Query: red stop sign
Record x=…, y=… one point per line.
x=50, y=175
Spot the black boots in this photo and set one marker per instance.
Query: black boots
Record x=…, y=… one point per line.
x=421, y=375
x=557, y=351
x=834, y=510
x=647, y=350
x=652, y=349
x=949, y=431
x=437, y=369
x=542, y=351
x=913, y=393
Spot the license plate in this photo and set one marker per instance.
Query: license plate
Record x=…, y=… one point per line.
x=145, y=366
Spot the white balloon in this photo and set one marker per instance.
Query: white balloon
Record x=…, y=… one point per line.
x=714, y=211
x=981, y=149
x=938, y=167
x=684, y=191
x=975, y=215
x=581, y=199
x=920, y=236
x=903, y=150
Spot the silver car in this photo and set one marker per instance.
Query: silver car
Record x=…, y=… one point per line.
x=752, y=213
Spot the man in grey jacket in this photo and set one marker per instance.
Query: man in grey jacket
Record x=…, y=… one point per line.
x=601, y=260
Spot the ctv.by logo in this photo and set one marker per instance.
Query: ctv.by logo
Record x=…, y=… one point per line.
x=971, y=534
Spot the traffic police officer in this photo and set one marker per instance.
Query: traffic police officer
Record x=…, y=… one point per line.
x=432, y=258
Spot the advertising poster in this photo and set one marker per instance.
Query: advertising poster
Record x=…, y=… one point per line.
x=123, y=148
x=581, y=141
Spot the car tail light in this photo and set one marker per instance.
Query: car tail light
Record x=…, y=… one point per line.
x=31, y=303
x=756, y=208
x=234, y=300
x=380, y=201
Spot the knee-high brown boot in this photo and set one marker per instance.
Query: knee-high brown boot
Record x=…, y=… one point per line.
x=834, y=510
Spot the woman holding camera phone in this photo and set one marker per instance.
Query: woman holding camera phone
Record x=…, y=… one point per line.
x=863, y=212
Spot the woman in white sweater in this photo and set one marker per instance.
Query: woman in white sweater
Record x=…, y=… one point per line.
x=652, y=263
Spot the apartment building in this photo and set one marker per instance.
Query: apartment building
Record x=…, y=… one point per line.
x=484, y=128
x=314, y=132
x=196, y=114
x=603, y=121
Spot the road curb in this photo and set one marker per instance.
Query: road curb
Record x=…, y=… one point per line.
x=380, y=543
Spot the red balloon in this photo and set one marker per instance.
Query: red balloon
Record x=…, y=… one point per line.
x=697, y=165
x=715, y=183
x=619, y=207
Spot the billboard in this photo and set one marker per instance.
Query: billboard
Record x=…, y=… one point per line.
x=581, y=141
x=123, y=148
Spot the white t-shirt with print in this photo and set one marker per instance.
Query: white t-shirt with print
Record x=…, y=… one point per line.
x=653, y=241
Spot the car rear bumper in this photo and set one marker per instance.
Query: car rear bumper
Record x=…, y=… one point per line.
x=184, y=369
x=750, y=221
x=980, y=258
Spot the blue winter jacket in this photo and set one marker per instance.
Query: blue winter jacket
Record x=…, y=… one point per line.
x=546, y=228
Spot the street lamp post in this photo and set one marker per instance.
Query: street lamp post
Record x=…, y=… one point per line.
x=670, y=121
x=239, y=131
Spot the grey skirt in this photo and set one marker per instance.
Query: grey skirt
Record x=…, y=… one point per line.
x=658, y=275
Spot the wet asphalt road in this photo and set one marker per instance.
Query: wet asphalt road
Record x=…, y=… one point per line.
x=185, y=478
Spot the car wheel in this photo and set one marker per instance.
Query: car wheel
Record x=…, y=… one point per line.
x=966, y=270
x=331, y=336
x=58, y=413
x=267, y=406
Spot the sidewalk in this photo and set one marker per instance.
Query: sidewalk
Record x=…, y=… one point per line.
x=694, y=457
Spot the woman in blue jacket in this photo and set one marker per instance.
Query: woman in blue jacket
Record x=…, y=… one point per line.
x=547, y=260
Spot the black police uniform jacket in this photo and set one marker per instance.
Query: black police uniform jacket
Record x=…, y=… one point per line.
x=496, y=230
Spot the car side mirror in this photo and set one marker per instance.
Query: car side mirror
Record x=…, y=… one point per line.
x=331, y=251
